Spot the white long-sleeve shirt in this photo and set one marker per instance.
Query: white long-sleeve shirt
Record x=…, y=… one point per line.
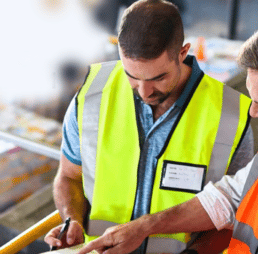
x=221, y=200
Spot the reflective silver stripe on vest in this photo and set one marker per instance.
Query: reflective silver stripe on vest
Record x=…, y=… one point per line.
x=245, y=234
x=242, y=231
x=90, y=126
x=155, y=244
x=164, y=245
x=252, y=176
x=98, y=227
x=224, y=139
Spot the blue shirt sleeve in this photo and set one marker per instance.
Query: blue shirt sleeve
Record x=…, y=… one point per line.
x=70, y=141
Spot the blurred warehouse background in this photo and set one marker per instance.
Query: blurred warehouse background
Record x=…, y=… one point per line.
x=46, y=48
x=46, y=45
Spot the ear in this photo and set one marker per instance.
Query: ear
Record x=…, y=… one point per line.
x=183, y=52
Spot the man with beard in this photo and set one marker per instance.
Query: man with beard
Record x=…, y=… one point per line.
x=230, y=203
x=145, y=134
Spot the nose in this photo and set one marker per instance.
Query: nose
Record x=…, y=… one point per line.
x=145, y=89
x=254, y=110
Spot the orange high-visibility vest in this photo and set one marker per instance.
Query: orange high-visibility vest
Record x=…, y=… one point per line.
x=245, y=234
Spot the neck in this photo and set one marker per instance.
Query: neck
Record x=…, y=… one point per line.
x=161, y=108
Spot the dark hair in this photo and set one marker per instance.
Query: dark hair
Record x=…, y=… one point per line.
x=148, y=28
x=248, y=55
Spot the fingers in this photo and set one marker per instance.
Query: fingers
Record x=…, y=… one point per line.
x=74, y=233
x=97, y=245
x=52, y=235
x=73, y=236
x=114, y=250
x=88, y=248
x=117, y=240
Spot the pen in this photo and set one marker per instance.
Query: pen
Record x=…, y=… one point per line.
x=62, y=231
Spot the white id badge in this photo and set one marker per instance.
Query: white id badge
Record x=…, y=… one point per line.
x=183, y=176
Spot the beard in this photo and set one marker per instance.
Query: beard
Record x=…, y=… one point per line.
x=156, y=97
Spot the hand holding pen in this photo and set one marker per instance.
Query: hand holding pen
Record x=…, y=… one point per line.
x=69, y=234
x=63, y=230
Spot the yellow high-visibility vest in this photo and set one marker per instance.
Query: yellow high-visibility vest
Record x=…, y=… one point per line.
x=211, y=125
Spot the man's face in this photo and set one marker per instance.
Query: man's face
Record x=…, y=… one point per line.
x=153, y=80
x=252, y=86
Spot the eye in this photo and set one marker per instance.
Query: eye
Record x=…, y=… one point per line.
x=160, y=79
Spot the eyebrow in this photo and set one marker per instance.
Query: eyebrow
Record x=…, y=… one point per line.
x=151, y=79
